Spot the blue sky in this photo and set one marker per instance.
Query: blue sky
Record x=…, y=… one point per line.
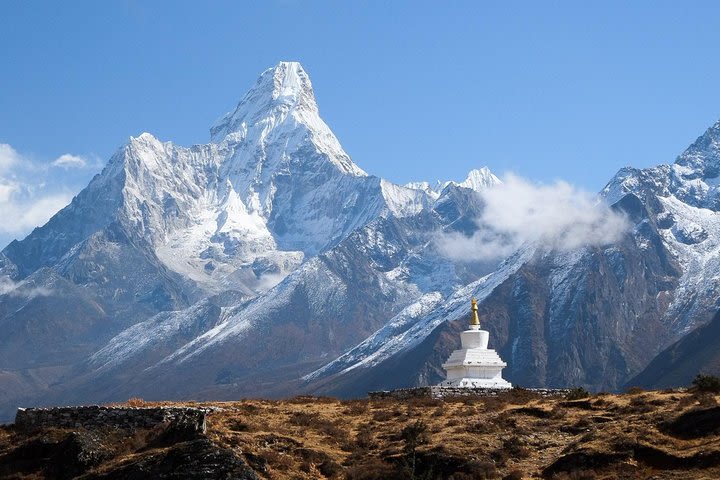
x=413, y=90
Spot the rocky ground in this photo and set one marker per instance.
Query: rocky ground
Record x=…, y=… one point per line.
x=638, y=435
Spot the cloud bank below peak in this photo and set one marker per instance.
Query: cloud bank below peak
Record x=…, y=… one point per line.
x=519, y=212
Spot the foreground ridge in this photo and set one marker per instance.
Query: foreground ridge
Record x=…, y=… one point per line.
x=642, y=434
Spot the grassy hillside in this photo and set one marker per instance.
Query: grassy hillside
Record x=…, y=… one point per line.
x=644, y=435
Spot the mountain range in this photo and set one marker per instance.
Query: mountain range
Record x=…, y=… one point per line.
x=267, y=263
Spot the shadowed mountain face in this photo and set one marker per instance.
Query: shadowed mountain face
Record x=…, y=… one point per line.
x=697, y=352
x=267, y=263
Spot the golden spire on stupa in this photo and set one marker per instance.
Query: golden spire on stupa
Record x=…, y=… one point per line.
x=474, y=320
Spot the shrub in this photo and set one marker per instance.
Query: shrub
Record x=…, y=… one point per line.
x=479, y=469
x=382, y=415
x=356, y=407
x=303, y=419
x=482, y=427
x=520, y=396
x=495, y=404
x=515, y=448
x=237, y=425
x=414, y=435
x=277, y=460
x=584, y=424
x=136, y=402
x=364, y=438
x=371, y=468
x=249, y=408
x=577, y=393
x=420, y=402
x=575, y=475
x=319, y=424
x=639, y=404
x=302, y=399
x=330, y=469
x=705, y=399
x=684, y=402
x=635, y=390
x=706, y=383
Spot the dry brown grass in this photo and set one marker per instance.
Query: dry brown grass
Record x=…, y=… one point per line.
x=136, y=402
x=495, y=437
x=515, y=435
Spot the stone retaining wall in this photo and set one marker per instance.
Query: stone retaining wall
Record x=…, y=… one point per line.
x=185, y=418
x=444, y=392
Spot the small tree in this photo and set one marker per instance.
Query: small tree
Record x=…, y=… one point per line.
x=577, y=393
x=706, y=383
x=414, y=435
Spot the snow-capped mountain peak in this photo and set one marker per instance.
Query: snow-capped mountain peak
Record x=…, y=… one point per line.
x=278, y=90
x=703, y=156
x=479, y=179
x=279, y=118
x=292, y=85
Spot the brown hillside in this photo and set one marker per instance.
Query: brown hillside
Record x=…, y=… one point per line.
x=643, y=435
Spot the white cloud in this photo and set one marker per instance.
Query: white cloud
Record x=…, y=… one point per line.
x=8, y=157
x=7, y=189
x=21, y=289
x=269, y=280
x=69, y=161
x=28, y=213
x=31, y=192
x=517, y=212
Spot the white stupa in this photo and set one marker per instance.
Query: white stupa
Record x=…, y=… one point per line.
x=474, y=365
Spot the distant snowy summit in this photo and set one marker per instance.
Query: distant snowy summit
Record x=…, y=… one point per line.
x=281, y=101
x=477, y=180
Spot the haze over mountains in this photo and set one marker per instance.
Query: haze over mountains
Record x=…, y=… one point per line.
x=266, y=263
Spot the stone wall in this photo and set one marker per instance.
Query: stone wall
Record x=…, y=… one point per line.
x=186, y=419
x=444, y=392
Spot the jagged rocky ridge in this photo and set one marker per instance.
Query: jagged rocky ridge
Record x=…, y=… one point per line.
x=267, y=263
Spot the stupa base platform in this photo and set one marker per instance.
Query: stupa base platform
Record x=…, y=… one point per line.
x=441, y=391
x=497, y=382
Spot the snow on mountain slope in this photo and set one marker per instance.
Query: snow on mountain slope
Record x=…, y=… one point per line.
x=694, y=239
x=546, y=314
x=158, y=335
x=273, y=187
x=412, y=325
x=404, y=201
x=688, y=220
x=328, y=305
